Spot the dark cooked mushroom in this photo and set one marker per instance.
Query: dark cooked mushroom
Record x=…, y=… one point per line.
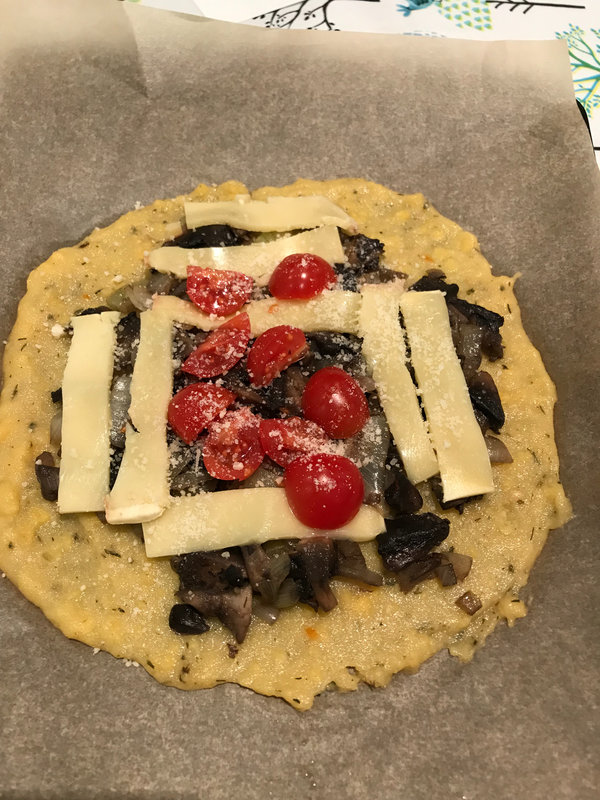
x=380, y=275
x=160, y=282
x=312, y=564
x=468, y=339
x=402, y=496
x=469, y=603
x=350, y=563
x=448, y=568
x=237, y=381
x=410, y=537
x=216, y=584
x=461, y=564
x=342, y=346
x=362, y=253
x=47, y=475
x=210, y=236
x=419, y=570
x=266, y=572
x=187, y=620
x=295, y=382
x=484, y=397
x=214, y=570
x=362, y=256
x=233, y=608
x=273, y=397
x=128, y=339
x=445, y=573
x=192, y=482
x=185, y=340
x=434, y=281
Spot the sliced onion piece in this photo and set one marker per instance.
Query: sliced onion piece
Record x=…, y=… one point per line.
x=288, y=594
x=56, y=429
x=265, y=612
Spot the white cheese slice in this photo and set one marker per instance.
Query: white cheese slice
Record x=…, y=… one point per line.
x=385, y=352
x=277, y=214
x=334, y=310
x=465, y=467
x=85, y=458
x=211, y=521
x=257, y=260
x=141, y=491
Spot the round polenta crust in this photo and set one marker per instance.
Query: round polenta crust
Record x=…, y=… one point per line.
x=94, y=581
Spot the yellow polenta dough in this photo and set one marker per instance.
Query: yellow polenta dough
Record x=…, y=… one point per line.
x=94, y=581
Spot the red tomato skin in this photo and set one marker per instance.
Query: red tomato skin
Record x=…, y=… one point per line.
x=335, y=401
x=301, y=276
x=221, y=350
x=324, y=491
x=233, y=441
x=218, y=291
x=273, y=351
x=194, y=406
x=284, y=440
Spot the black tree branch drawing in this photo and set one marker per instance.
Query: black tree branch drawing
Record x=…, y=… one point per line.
x=311, y=14
x=527, y=5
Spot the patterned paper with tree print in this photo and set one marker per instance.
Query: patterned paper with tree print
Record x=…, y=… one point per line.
x=467, y=13
x=584, y=50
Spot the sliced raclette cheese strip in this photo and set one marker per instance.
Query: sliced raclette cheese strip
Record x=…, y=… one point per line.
x=277, y=214
x=141, y=491
x=257, y=260
x=85, y=454
x=211, y=521
x=464, y=464
x=334, y=310
x=383, y=348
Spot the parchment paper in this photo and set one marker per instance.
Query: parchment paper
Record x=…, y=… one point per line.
x=103, y=107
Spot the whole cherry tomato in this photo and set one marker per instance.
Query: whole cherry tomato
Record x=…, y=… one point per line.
x=221, y=350
x=274, y=351
x=194, y=406
x=324, y=491
x=232, y=450
x=335, y=401
x=283, y=440
x=218, y=291
x=301, y=276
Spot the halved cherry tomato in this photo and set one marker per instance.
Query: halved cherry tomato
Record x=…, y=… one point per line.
x=221, y=350
x=335, y=401
x=274, y=351
x=284, y=440
x=301, y=276
x=218, y=291
x=324, y=491
x=232, y=450
x=194, y=406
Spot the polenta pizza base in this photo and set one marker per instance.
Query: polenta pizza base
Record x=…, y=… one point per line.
x=94, y=581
